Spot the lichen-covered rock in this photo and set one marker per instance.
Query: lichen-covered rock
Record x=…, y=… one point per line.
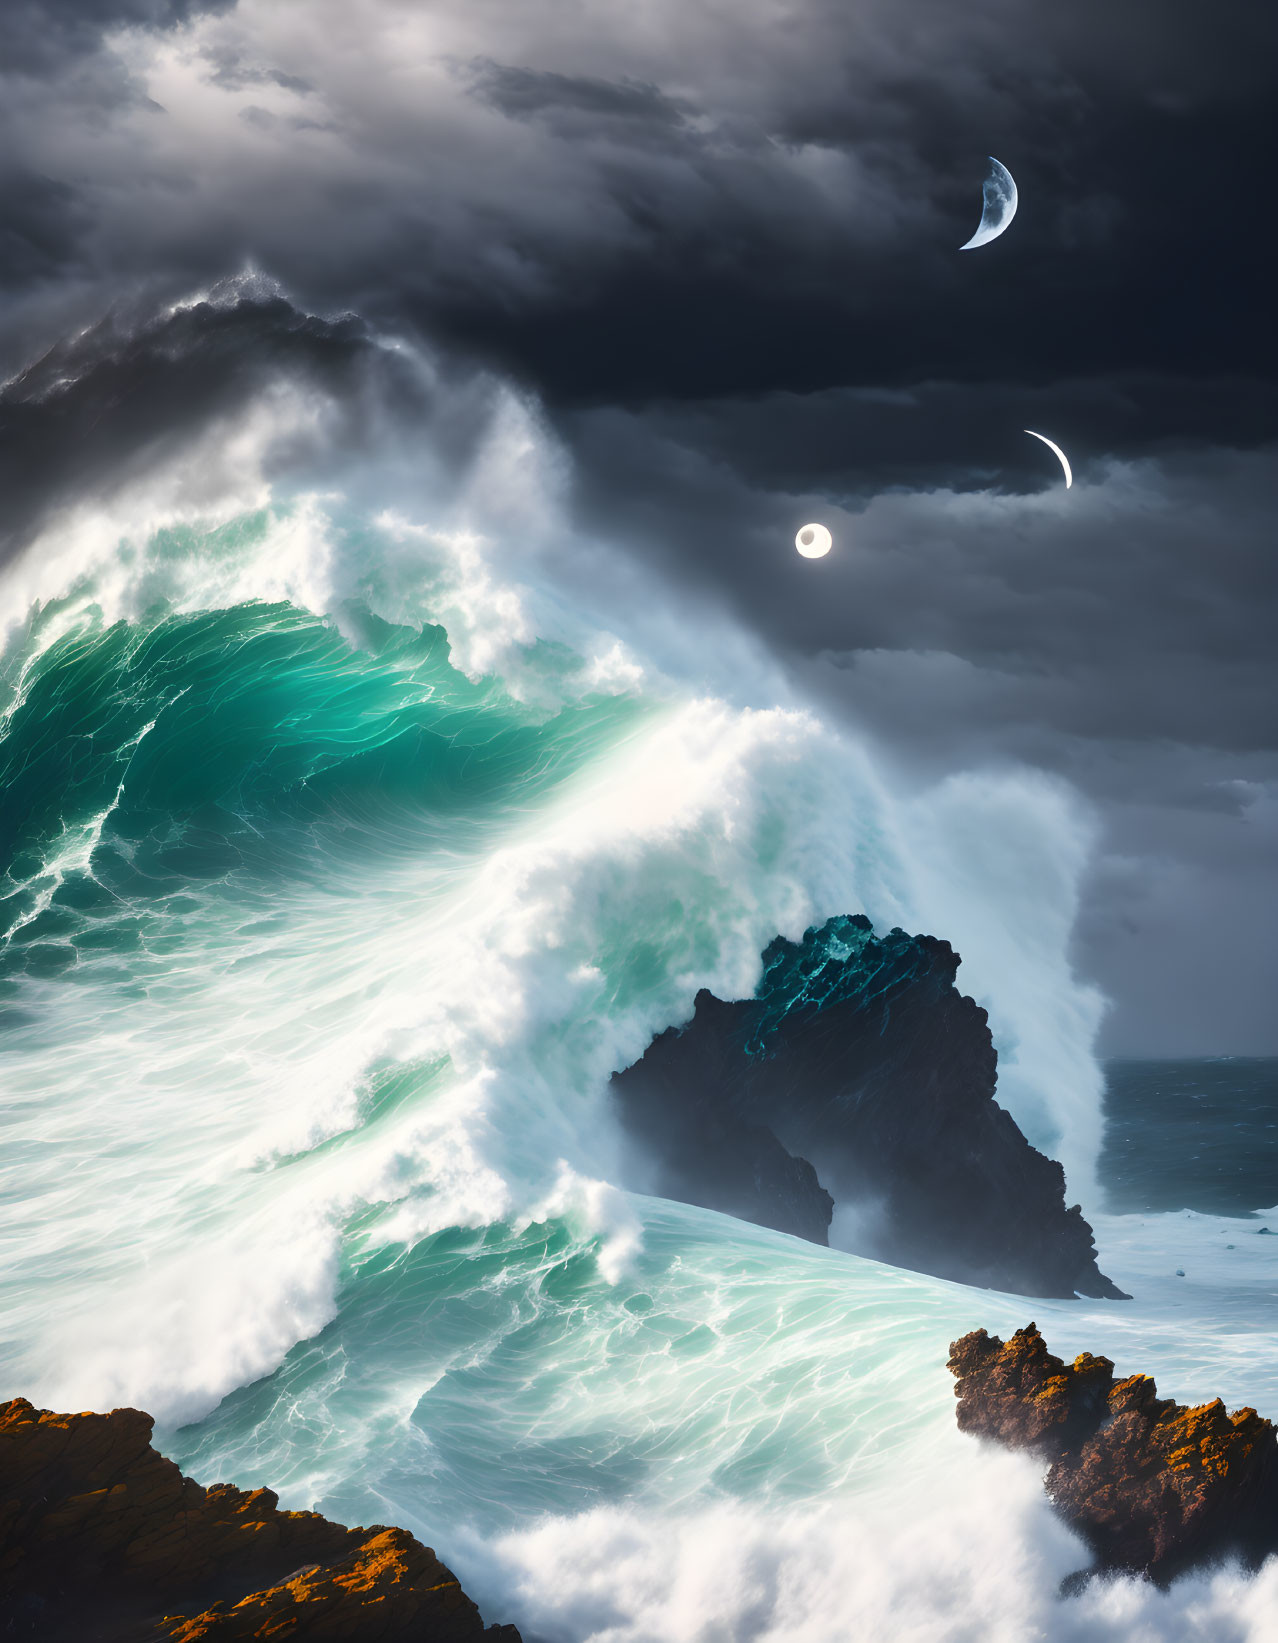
x=389, y=1587
x=101, y=1537
x=1151, y=1484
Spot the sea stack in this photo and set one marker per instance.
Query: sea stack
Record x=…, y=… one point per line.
x=859, y=1077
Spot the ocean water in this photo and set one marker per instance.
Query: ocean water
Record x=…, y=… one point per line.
x=1199, y=1135
x=345, y=852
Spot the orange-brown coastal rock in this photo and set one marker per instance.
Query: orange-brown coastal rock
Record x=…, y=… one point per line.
x=102, y=1540
x=1152, y=1485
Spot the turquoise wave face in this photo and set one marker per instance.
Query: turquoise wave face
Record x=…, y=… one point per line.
x=142, y=762
x=487, y=1376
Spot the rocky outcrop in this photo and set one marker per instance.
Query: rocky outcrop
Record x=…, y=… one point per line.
x=1152, y=1485
x=859, y=1054
x=676, y=1104
x=102, y=1540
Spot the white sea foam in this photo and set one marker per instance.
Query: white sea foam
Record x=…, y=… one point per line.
x=978, y=1557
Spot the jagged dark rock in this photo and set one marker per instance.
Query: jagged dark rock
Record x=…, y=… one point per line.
x=102, y=1540
x=1152, y=1485
x=859, y=1053
x=704, y=1151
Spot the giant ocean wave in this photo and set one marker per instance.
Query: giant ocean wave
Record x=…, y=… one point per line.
x=351, y=839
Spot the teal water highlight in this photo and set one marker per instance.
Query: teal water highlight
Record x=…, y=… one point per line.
x=255, y=744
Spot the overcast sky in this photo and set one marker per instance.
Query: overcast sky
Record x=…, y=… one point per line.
x=719, y=242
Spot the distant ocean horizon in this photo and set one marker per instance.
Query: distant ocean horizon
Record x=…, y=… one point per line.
x=1197, y=1133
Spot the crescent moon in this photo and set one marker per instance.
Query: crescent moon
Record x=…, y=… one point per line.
x=998, y=205
x=1053, y=446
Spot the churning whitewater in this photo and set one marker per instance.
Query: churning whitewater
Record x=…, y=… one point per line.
x=347, y=849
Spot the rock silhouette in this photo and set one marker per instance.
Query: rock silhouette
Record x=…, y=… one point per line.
x=859, y=1054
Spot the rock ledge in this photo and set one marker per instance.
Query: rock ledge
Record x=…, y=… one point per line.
x=102, y=1540
x=1152, y=1485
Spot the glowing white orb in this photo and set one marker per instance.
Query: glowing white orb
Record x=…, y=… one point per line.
x=814, y=541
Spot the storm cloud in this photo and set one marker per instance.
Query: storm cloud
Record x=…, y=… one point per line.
x=719, y=245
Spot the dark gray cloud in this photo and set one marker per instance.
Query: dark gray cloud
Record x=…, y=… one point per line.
x=39, y=228
x=104, y=405
x=1137, y=608
x=722, y=249
x=109, y=404
x=855, y=443
x=706, y=205
x=42, y=36
x=571, y=102
x=1175, y=925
